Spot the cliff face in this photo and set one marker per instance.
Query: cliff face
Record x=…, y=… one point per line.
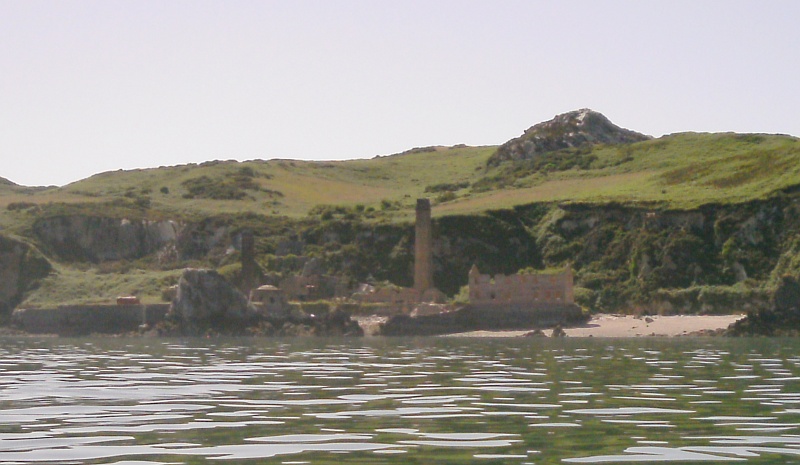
x=717, y=258
x=575, y=129
x=21, y=266
x=714, y=259
x=98, y=238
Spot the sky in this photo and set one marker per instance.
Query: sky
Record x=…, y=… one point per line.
x=94, y=86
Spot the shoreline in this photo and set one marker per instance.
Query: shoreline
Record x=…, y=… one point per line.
x=612, y=325
x=600, y=325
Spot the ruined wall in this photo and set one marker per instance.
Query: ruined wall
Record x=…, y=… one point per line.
x=520, y=288
x=81, y=320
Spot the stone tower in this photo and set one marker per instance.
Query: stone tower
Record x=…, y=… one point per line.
x=423, y=255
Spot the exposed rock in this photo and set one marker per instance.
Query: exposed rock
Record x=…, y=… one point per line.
x=97, y=239
x=706, y=333
x=208, y=304
x=558, y=331
x=569, y=130
x=535, y=333
x=337, y=323
x=426, y=308
x=206, y=301
x=21, y=267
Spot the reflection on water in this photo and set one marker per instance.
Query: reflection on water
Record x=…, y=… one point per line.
x=524, y=401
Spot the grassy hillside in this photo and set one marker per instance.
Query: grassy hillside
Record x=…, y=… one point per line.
x=676, y=172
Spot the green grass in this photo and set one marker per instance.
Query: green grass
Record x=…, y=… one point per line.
x=676, y=171
x=71, y=286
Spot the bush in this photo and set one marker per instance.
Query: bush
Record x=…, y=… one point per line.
x=204, y=187
x=232, y=186
x=584, y=297
x=16, y=206
x=444, y=187
x=446, y=197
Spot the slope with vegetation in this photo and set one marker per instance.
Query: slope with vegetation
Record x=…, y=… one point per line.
x=682, y=223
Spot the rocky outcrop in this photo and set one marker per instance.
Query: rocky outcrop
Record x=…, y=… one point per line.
x=98, y=238
x=207, y=304
x=332, y=323
x=206, y=301
x=581, y=128
x=21, y=268
x=782, y=318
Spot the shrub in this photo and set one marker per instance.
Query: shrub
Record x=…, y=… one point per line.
x=204, y=187
x=16, y=206
x=444, y=187
x=446, y=197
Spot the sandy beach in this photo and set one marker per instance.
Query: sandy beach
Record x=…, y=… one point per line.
x=604, y=325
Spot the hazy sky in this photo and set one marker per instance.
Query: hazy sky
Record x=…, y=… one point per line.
x=92, y=86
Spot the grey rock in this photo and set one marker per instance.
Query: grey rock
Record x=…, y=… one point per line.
x=206, y=301
x=97, y=239
x=21, y=268
x=569, y=130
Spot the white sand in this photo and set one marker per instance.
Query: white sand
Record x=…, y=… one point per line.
x=603, y=325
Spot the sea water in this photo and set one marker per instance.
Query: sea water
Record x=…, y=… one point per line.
x=383, y=401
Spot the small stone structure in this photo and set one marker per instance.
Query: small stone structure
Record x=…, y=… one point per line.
x=537, y=289
x=270, y=300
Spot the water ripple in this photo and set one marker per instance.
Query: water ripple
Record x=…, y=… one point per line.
x=136, y=402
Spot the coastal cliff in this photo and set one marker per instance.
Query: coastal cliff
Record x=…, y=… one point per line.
x=682, y=224
x=625, y=258
x=21, y=269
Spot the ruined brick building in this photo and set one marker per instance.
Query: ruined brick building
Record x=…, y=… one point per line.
x=539, y=289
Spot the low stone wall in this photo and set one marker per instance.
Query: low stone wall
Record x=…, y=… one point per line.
x=484, y=317
x=81, y=320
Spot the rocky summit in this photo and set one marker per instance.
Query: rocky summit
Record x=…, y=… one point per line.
x=575, y=129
